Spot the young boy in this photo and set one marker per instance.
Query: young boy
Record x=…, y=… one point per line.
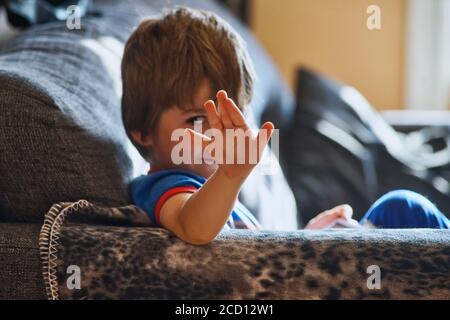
x=184, y=67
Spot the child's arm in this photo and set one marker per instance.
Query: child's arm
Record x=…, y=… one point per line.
x=198, y=217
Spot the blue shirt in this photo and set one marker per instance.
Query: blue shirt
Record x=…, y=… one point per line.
x=150, y=192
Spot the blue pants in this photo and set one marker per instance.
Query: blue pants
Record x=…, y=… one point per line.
x=405, y=209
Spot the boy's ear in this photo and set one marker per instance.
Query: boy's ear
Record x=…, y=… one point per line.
x=142, y=140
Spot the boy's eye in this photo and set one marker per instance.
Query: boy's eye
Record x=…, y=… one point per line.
x=192, y=120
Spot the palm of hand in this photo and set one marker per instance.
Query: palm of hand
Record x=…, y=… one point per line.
x=241, y=150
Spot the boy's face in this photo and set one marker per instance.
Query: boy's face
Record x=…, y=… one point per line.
x=177, y=118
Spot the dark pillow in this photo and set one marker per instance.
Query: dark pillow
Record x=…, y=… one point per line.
x=61, y=135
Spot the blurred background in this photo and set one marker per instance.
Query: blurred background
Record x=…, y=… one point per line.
x=404, y=64
x=401, y=64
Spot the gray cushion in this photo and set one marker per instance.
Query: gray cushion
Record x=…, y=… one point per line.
x=61, y=136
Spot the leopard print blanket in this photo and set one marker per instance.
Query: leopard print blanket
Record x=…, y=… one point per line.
x=92, y=252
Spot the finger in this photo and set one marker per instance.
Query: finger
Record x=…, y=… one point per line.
x=264, y=134
x=213, y=115
x=345, y=210
x=221, y=97
x=236, y=116
x=324, y=220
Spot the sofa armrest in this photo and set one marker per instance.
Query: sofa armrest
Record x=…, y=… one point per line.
x=151, y=263
x=20, y=265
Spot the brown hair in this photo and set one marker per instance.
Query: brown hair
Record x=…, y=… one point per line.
x=165, y=60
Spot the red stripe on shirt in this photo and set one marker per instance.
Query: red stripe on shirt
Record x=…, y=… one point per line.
x=166, y=195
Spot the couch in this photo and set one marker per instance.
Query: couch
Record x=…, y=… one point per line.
x=61, y=141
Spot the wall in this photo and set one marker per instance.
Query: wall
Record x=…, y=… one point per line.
x=331, y=36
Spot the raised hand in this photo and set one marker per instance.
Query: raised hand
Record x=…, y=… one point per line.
x=236, y=159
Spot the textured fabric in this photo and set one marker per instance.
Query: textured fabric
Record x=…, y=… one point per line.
x=119, y=262
x=405, y=209
x=148, y=190
x=61, y=135
x=20, y=265
x=46, y=157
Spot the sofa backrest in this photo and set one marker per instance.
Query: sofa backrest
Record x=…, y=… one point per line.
x=61, y=136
